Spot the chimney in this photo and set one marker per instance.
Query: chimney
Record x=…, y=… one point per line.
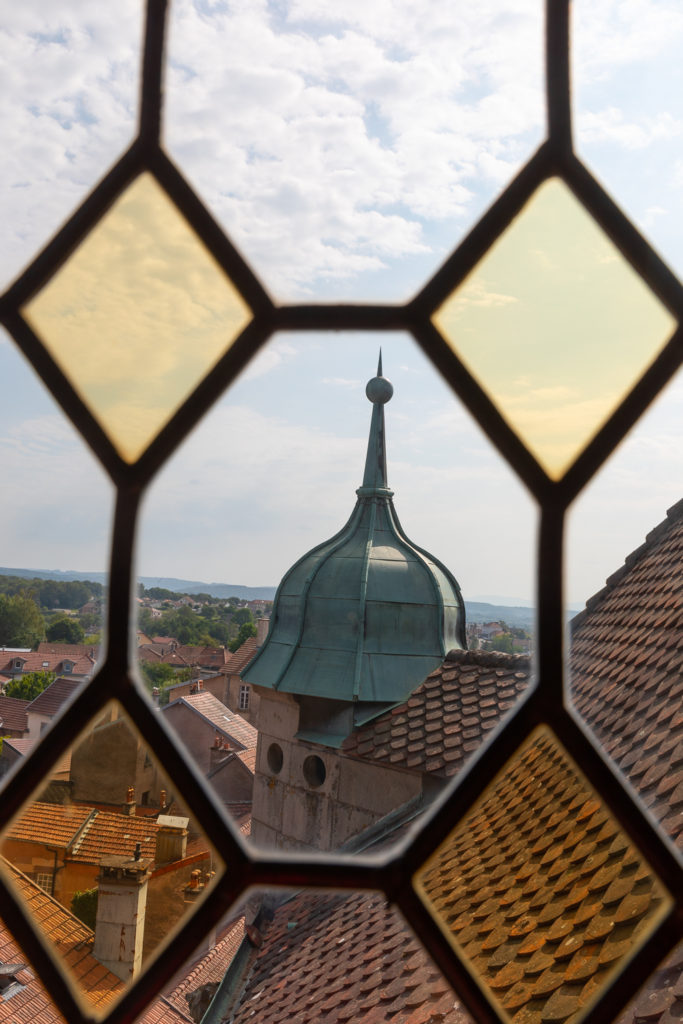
x=261, y=631
x=129, y=806
x=218, y=752
x=171, y=838
x=120, y=923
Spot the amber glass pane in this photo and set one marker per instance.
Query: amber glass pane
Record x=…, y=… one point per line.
x=555, y=325
x=108, y=858
x=539, y=890
x=138, y=315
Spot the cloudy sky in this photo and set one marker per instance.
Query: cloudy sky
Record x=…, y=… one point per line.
x=346, y=149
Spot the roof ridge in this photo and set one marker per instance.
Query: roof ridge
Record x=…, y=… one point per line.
x=489, y=659
x=75, y=843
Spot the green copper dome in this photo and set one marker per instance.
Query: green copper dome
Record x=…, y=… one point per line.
x=363, y=618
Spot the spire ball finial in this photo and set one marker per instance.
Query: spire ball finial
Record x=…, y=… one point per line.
x=379, y=390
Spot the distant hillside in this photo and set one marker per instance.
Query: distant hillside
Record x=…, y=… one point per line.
x=517, y=616
x=168, y=582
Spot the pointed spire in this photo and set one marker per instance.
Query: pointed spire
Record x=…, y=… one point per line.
x=379, y=391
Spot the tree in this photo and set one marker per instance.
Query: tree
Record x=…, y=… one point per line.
x=28, y=686
x=84, y=906
x=246, y=630
x=65, y=630
x=157, y=673
x=21, y=624
x=242, y=615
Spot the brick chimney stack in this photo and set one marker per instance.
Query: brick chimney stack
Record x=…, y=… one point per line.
x=129, y=806
x=120, y=923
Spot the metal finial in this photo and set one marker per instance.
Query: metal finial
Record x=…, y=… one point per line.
x=379, y=390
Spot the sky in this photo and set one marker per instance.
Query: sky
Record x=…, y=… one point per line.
x=346, y=149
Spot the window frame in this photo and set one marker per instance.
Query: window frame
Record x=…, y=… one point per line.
x=545, y=701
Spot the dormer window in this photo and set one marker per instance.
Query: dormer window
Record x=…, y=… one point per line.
x=67, y=666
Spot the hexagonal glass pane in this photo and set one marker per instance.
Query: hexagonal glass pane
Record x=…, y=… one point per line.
x=555, y=325
x=108, y=858
x=316, y=955
x=374, y=136
x=137, y=315
x=272, y=471
x=539, y=890
x=624, y=654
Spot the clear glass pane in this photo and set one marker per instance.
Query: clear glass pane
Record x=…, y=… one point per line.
x=628, y=81
x=555, y=325
x=138, y=315
x=625, y=645
x=108, y=857
x=271, y=472
x=338, y=956
x=539, y=889
x=373, y=135
x=69, y=105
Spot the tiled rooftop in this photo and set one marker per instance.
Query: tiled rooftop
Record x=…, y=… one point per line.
x=339, y=959
x=242, y=656
x=209, y=968
x=227, y=722
x=447, y=718
x=54, y=697
x=88, y=833
x=626, y=654
x=73, y=942
x=31, y=1003
x=13, y=714
x=541, y=890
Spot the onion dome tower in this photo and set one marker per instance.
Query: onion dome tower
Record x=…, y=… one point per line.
x=361, y=620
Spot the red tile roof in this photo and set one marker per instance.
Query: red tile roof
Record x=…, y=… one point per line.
x=13, y=714
x=209, y=968
x=54, y=697
x=448, y=717
x=241, y=657
x=73, y=942
x=626, y=654
x=337, y=959
x=31, y=1003
x=541, y=890
x=227, y=722
x=86, y=832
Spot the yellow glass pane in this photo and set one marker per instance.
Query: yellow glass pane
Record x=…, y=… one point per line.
x=555, y=325
x=539, y=890
x=108, y=858
x=137, y=315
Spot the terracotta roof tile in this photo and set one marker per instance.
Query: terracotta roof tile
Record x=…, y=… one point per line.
x=624, y=680
x=54, y=697
x=72, y=940
x=227, y=722
x=543, y=959
x=338, y=958
x=242, y=656
x=208, y=968
x=87, y=833
x=13, y=714
x=447, y=722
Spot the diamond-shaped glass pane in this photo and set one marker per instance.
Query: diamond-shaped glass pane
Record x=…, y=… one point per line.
x=555, y=325
x=539, y=889
x=137, y=315
x=108, y=858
